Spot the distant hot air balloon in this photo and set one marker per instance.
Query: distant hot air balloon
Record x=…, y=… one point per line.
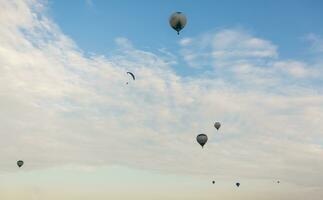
x=238, y=184
x=217, y=125
x=177, y=21
x=132, y=76
x=278, y=182
x=213, y=182
x=201, y=139
x=20, y=163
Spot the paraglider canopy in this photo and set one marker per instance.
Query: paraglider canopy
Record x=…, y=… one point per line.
x=238, y=184
x=132, y=76
x=217, y=125
x=201, y=139
x=20, y=163
x=177, y=21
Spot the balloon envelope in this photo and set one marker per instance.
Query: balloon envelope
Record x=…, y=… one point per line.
x=217, y=125
x=213, y=182
x=202, y=139
x=20, y=163
x=237, y=184
x=177, y=21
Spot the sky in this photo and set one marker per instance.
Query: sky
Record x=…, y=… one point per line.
x=83, y=133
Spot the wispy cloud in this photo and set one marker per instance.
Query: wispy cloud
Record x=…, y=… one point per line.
x=295, y=68
x=236, y=55
x=316, y=42
x=224, y=46
x=89, y=3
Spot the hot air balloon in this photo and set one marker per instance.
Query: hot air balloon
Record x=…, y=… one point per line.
x=217, y=125
x=201, y=139
x=177, y=21
x=20, y=163
x=132, y=76
x=278, y=182
x=213, y=182
x=238, y=184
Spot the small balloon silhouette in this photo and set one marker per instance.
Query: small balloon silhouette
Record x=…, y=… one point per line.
x=20, y=163
x=201, y=139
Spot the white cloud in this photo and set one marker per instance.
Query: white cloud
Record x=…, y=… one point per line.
x=225, y=45
x=294, y=68
x=185, y=41
x=241, y=44
x=124, y=43
x=251, y=60
x=59, y=107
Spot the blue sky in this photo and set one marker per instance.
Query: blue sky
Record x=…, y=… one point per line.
x=83, y=133
x=94, y=26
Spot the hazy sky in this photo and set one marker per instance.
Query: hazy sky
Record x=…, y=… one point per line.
x=255, y=66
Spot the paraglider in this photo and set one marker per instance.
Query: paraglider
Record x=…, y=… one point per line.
x=20, y=163
x=132, y=75
x=238, y=184
x=201, y=139
x=217, y=125
x=177, y=21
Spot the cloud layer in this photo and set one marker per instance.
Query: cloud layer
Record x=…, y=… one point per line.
x=60, y=107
